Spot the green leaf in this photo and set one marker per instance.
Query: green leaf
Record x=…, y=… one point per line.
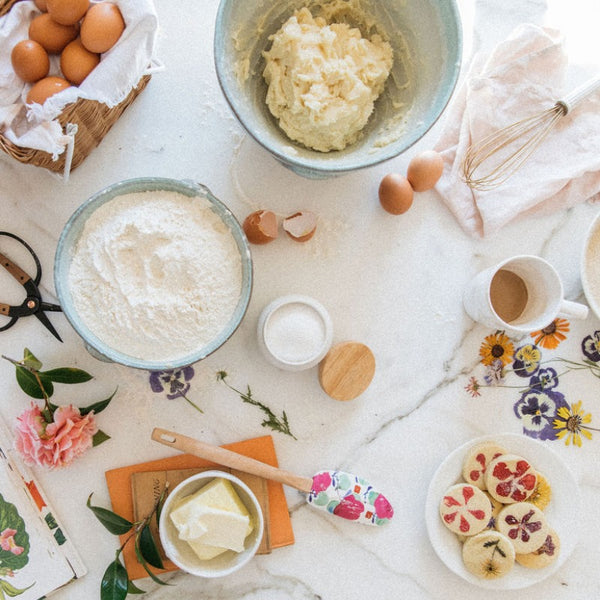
x=99, y=437
x=116, y=524
x=67, y=375
x=133, y=589
x=149, y=549
x=144, y=564
x=11, y=590
x=30, y=385
x=97, y=407
x=30, y=360
x=114, y=585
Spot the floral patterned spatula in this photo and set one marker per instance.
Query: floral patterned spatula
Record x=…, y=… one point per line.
x=335, y=492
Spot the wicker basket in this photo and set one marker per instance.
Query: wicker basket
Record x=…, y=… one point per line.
x=93, y=120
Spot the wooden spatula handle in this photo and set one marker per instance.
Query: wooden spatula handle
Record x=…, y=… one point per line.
x=230, y=459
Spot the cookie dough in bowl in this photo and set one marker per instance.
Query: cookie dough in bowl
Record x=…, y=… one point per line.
x=425, y=37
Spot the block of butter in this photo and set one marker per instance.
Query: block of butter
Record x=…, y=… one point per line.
x=213, y=519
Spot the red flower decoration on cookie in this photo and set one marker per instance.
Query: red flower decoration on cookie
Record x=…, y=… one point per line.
x=467, y=493
x=517, y=484
x=522, y=528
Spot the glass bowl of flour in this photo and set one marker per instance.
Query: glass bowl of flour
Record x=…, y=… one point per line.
x=153, y=273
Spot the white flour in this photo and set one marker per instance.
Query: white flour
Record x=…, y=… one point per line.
x=155, y=275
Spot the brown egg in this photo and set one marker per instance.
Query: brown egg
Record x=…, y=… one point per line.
x=30, y=61
x=395, y=194
x=67, y=12
x=41, y=4
x=76, y=63
x=101, y=27
x=300, y=226
x=424, y=170
x=45, y=88
x=51, y=35
x=260, y=227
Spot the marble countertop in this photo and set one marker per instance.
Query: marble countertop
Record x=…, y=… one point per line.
x=393, y=283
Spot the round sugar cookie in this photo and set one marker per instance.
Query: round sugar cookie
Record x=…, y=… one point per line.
x=542, y=492
x=465, y=509
x=477, y=460
x=496, y=508
x=524, y=525
x=510, y=478
x=545, y=555
x=488, y=555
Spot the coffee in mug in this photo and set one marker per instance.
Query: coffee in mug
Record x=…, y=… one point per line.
x=521, y=294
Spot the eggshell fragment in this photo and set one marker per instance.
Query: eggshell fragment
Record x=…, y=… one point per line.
x=424, y=170
x=76, y=63
x=260, y=227
x=29, y=60
x=300, y=226
x=101, y=27
x=395, y=194
x=67, y=12
x=51, y=35
x=45, y=88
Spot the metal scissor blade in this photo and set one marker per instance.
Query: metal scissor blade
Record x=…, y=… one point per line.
x=44, y=319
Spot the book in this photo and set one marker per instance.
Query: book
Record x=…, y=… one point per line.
x=37, y=556
x=119, y=482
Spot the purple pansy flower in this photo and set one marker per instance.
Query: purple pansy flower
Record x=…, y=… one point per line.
x=527, y=360
x=175, y=382
x=537, y=409
x=545, y=379
x=590, y=346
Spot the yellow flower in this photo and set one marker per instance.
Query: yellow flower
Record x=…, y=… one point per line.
x=571, y=424
x=552, y=335
x=496, y=347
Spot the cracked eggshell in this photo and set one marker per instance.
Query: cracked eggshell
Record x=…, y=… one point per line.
x=260, y=227
x=300, y=226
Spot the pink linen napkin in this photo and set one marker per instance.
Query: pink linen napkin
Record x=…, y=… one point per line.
x=523, y=76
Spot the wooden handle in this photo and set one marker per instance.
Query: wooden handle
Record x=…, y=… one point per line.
x=230, y=459
x=15, y=271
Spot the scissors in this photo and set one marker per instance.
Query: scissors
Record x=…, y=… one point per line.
x=33, y=303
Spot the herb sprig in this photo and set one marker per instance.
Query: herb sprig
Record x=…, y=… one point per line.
x=115, y=584
x=271, y=421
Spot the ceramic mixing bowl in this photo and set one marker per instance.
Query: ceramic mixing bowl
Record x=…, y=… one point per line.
x=426, y=38
x=181, y=553
x=73, y=230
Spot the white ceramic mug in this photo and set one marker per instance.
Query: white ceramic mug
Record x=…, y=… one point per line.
x=526, y=296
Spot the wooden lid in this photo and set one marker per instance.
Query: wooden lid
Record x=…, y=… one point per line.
x=347, y=370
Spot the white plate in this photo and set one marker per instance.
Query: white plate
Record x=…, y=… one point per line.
x=563, y=512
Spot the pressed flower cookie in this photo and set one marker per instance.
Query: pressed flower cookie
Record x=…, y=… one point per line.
x=542, y=493
x=524, y=525
x=496, y=508
x=545, y=555
x=510, y=478
x=488, y=555
x=465, y=509
x=477, y=460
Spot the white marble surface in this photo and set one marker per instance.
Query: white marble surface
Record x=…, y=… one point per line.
x=394, y=283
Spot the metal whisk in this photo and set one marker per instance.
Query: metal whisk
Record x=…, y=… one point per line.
x=491, y=161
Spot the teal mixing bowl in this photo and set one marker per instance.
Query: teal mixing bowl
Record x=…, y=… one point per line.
x=426, y=38
x=73, y=230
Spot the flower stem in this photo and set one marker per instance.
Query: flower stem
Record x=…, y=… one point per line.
x=192, y=403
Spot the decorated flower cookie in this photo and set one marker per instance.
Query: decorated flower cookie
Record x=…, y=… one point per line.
x=542, y=493
x=477, y=460
x=524, y=525
x=546, y=554
x=465, y=509
x=510, y=478
x=488, y=555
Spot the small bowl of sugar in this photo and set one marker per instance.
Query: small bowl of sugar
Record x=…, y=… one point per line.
x=295, y=332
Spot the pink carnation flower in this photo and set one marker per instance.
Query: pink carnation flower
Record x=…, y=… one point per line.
x=54, y=444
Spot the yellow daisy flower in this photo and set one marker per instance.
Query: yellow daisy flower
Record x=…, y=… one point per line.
x=552, y=335
x=496, y=347
x=571, y=424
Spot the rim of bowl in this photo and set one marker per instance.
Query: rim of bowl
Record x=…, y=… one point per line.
x=142, y=184
x=591, y=300
x=305, y=166
x=212, y=474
